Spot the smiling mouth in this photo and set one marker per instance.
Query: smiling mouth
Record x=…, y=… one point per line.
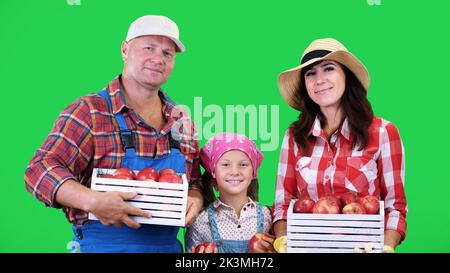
x=234, y=181
x=153, y=69
x=322, y=91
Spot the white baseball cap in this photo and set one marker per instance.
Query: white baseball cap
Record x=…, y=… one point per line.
x=155, y=25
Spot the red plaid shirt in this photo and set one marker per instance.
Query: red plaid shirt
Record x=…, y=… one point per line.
x=334, y=167
x=86, y=136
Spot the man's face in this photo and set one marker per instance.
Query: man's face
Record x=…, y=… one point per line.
x=149, y=60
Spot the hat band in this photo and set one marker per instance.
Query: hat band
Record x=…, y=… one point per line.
x=314, y=54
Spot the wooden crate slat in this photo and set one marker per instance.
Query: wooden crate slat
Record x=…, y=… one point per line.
x=331, y=237
x=152, y=221
x=332, y=244
x=158, y=206
x=137, y=183
x=159, y=199
x=159, y=221
x=335, y=230
x=143, y=191
x=324, y=250
x=336, y=217
x=165, y=214
x=325, y=223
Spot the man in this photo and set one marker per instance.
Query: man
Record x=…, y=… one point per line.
x=131, y=124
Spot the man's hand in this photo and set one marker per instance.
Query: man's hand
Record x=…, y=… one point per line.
x=194, y=205
x=111, y=209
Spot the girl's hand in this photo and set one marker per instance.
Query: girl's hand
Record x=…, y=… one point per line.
x=262, y=243
x=202, y=249
x=267, y=244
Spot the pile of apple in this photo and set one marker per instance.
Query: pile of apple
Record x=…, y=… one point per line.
x=346, y=203
x=147, y=174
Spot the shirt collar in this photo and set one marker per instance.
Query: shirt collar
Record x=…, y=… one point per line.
x=316, y=129
x=115, y=89
x=217, y=203
x=345, y=129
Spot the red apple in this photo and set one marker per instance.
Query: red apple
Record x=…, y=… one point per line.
x=255, y=244
x=148, y=174
x=337, y=200
x=170, y=178
x=370, y=203
x=348, y=197
x=354, y=208
x=327, y=205
x=304, y=205
x=208, y=247
x=167, y=171
x=124, y=173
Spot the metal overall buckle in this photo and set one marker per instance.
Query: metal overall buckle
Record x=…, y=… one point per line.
x=127, y=139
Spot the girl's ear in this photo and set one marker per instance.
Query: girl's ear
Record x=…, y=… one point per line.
x=214, y=181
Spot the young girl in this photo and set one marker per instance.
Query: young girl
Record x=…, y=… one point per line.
x=231, y=163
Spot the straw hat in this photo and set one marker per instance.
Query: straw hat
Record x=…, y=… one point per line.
x=322, y=49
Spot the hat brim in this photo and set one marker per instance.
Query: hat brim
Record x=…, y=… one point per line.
x=179, y=45
x=289, y=81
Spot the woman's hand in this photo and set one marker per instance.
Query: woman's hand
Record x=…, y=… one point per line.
x=280, y=244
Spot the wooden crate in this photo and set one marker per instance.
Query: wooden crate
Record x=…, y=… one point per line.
x=165, y=201
x=334, y=233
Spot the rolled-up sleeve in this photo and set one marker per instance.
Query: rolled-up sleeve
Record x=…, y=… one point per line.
x=392, y=177
x=286, y=186
x=65, y=152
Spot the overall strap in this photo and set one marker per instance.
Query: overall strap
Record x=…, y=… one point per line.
x=260, y=218
x=126, y=135
x=213, y=223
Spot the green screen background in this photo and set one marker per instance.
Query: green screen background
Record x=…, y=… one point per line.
x=53, y=53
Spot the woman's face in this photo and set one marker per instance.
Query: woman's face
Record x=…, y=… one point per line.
x=233, y=173
x=325, y=83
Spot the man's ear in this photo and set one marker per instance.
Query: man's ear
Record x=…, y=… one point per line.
x=124, y=50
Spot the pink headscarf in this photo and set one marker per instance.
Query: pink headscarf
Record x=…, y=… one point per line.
x=224, y=142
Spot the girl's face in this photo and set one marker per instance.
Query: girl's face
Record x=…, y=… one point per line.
x=233, y=173
x=325, y=83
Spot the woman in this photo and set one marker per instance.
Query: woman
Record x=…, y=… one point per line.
x=337, y=145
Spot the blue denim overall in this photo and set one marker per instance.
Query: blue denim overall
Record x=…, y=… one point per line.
x=95, y=237
x=232, y=246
